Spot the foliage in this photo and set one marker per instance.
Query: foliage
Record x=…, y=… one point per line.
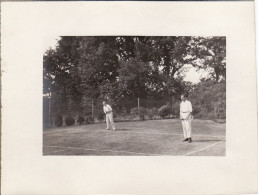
x=114, y=114
x=69, y=121
x=164, y=111
x=119, y=68
x=61, y=81
x=219, y=111
x=100, y=116
x=89, y=120
x=58, y=121
x=151, y=112
x=80, y=120
x=209, y=99
x=210, y=52
x=141, y=112
x=133, y=78
x=176, y=108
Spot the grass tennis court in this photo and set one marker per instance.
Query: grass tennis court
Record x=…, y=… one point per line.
x=137, y=138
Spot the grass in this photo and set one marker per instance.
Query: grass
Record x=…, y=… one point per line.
x=138, y=138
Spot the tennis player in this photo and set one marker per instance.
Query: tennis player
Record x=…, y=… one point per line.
x=109, y=115
x=186, y=117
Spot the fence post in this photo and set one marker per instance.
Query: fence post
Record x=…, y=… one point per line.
x=138, y=106
x=171, y=104
x=92, y=110
x=49, y=110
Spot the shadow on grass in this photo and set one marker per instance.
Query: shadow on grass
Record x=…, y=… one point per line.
x=210, y=140
x=123, y=129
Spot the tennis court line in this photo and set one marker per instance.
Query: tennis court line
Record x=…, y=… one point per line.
x=71, y=131
x=204, y=148
x=64, y=130
x=102, y=150
x=133, y=132
x=53, y=152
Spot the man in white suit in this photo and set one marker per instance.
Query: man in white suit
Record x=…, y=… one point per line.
x=186, y=117
x=109, y=115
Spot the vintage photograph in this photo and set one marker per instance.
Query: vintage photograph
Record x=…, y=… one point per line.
x=128, y=97
x=134, y=96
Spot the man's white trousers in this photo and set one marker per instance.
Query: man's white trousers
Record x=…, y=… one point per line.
x=109, y=120
x=187, y=128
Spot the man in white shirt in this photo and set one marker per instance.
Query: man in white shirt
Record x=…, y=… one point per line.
x=186, y=118
x=109, y=115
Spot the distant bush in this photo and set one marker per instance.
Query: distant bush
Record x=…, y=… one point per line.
x=220, y=110
x=122, y=113
x=80, y=120
x=100, y=116
x=141, y=113
x=89, y=120
x=114, y=114
x=58, y=121
x=151, y=112
x=209, y=100
x=176, y=109
x=164, y=111
x=69, y=121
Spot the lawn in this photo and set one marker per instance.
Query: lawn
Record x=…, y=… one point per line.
x=138, y=138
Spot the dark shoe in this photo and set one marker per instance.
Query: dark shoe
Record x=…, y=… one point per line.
x=190, y=140
x=186, y=139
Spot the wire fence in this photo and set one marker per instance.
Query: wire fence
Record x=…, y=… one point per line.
x=123, y=110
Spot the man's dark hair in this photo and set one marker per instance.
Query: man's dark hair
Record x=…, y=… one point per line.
x=185, y=95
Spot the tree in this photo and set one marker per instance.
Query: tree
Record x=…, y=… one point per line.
x=60, y=75
x=209, y=52
x=82, y=69
x=162, y=58
x=133, y=78
x=98, y=64
x=209, y=99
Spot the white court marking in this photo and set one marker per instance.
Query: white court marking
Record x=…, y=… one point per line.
x=101, y=150
x=204, y=148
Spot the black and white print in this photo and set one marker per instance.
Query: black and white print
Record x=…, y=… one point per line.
x=135, y=96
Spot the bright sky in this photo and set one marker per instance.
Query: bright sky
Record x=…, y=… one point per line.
x=194, y=75
x=50, y=42
x=191, y=75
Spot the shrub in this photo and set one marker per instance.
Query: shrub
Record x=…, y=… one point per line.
x=196, y=110
x=80, y=120
x=141, y=113
x=176, y=109
x=164, y=111
x=152, y=112
x=122, y=113
x=142, y=117
x=69, y=121
x=220, y=110
x=89, y=120
x=58, y=121
x=209, y=100
x=114, y=114
x=100, y=116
